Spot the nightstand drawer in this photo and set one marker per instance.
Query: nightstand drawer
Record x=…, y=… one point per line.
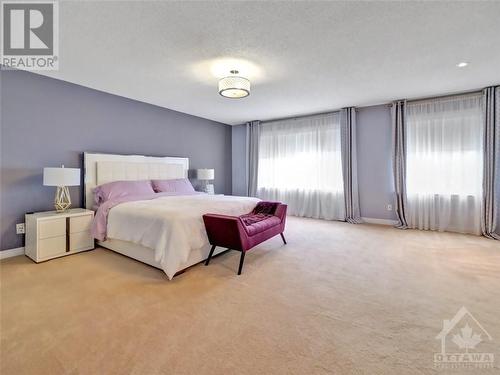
x=51, y=235
x=50, y=247
x=80, y=223
x=52, y=228
x=80, y=241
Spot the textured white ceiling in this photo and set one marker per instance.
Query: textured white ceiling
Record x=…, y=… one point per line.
x=302, y=57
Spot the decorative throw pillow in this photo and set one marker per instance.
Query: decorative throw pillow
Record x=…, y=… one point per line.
x=267, y=208
x=118, y=189
x=178, y=185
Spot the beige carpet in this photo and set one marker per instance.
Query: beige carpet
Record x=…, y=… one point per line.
x=339, y=298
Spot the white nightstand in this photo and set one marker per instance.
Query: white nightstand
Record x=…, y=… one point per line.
x=51, y=234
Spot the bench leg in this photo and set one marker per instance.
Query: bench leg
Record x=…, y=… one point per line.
x=242, y=259
x=210, y=255
x=283, y=238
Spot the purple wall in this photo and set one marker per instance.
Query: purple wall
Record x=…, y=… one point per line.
x=47, y=122
x=376, y=188
x=239, y=160
x=374, y=137
x=374, y=161
x=498, y=182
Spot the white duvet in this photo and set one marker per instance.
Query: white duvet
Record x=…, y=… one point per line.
x=173, y=225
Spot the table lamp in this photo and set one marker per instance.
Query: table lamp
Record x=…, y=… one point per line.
x=62, y=178
x=206, y=175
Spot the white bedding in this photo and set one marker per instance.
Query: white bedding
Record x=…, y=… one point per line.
x=172, y=226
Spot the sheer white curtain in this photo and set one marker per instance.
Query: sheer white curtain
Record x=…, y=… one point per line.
x=445, y=163
x=300, y=164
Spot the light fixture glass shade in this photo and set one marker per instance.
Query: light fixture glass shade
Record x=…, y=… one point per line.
x=205, y=174
x=234, y=87
x=61, y=176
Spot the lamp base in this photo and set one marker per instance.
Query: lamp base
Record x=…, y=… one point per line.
x=209, y=189
x=62, y=200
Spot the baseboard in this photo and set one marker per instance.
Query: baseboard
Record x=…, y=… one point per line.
x=370, y=220
x=11, y=253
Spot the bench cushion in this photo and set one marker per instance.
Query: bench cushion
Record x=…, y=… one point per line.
x=252, y=218
x=257, y=224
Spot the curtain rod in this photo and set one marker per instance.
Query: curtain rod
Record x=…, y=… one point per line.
x=302, y=116
x=452, y=95
x=387, y=104
x=446, y=96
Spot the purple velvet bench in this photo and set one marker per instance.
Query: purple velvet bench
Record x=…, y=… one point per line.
x=242, y=233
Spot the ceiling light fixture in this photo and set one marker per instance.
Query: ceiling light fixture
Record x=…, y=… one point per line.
x=462, y=64
x=234, y=86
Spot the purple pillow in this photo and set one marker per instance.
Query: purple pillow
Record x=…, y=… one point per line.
x=179, y=185
x=118, y=189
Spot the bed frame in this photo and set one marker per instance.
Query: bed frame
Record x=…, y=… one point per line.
x=103, y=168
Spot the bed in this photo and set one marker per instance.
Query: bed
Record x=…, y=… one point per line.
x=166, y=232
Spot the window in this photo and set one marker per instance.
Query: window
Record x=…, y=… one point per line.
x=445, y=163
x=300, y=164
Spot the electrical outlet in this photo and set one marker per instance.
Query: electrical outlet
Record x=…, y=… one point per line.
x=20, y=228
x=389, y=207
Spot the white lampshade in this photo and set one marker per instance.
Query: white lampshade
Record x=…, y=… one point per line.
x=234, y=86
x=61, y=176
x=205, y=174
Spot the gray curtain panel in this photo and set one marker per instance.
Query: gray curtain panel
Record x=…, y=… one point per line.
x=349, y=164
x=253, y=135
x=398, y=116
x=491, y=184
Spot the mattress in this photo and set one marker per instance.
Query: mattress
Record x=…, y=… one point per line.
x=171, y=227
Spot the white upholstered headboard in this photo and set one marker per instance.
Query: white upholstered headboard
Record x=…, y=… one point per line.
x=103, y=168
